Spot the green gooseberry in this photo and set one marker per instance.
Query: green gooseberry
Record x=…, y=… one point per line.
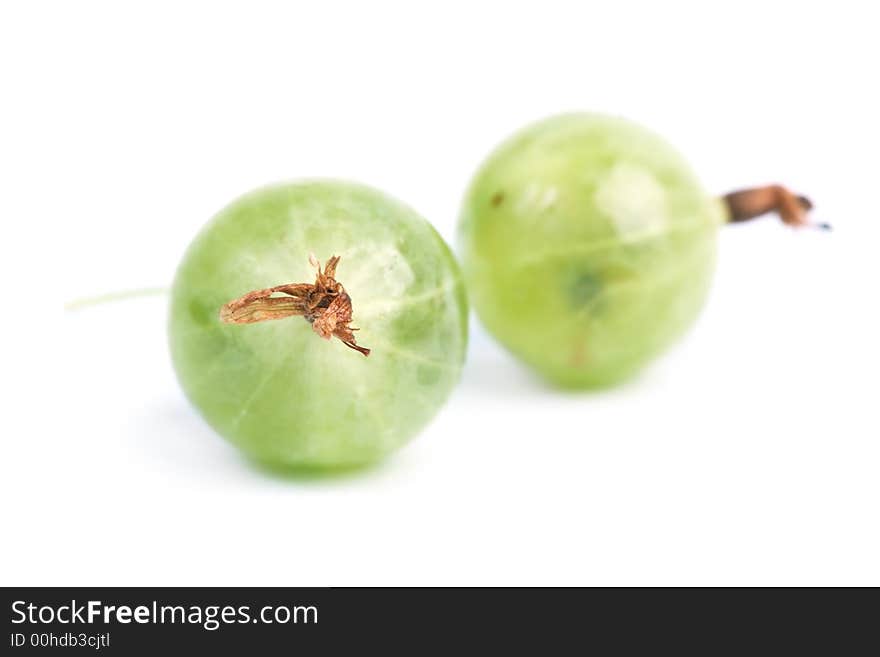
x=275, y=389
x=588, y=245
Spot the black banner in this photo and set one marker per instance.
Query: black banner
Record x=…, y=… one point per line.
x=129, y=621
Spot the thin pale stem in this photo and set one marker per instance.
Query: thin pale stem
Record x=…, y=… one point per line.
x=123, y=295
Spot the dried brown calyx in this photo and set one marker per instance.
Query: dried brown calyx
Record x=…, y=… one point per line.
x=325, y=305
x=747, y=204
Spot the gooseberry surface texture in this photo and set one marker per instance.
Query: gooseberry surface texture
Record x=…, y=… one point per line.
x=277, y=390
x=588, y=247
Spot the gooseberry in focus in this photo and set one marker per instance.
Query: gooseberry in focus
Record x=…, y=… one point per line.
x=287, y=265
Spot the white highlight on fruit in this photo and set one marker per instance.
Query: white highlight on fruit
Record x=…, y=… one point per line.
x=548, y=198
x=536, y=198
x=373, y=272
x=375, y=307
x=634, y=201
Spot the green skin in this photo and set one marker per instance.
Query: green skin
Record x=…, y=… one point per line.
x=588, y=247
x=276, y=389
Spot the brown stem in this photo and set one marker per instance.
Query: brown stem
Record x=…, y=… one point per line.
x=356, y=347
x=260, y=305
x=325, y=305
x=747, y=204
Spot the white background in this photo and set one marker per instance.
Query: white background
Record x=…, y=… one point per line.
x=748, y=455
